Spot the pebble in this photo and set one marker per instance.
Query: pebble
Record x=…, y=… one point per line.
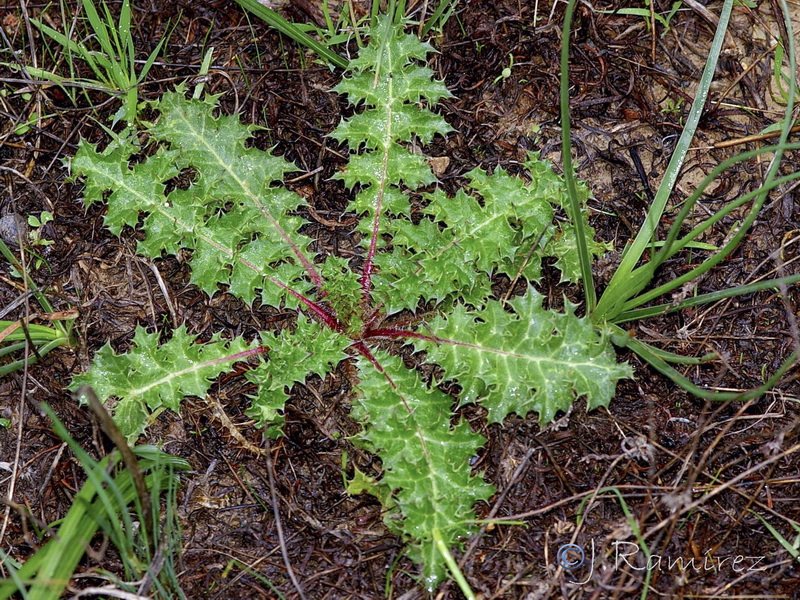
x=12, y=227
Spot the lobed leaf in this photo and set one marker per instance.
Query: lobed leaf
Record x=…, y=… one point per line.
x=310, y=349
x=531, y=360
x=389, y=85
x=502, y=225
x=427, y=481
x=230, y=214
x=151, y=376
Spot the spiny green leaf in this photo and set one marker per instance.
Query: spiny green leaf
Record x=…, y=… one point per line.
x=143, y=189
x=310, y=349
x=563, y=246
x=389, y=49
x=152, y=376
x=226, y=209
x=466, y=238
x=529, y=360
x=389, y=85
x=426, y=481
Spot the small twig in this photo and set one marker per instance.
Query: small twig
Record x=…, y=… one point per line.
x=753, y=138
x=115, y=435
x=39, y=191
x=164, y=290
x=328, y=222
x=278, y=526
x=109, y=591
x=653, y=31
x=305, y=175
x=496, y=507
x=741, y=76
x=23, y=323
x=52, y=469
x=702, y=11
x=8, y=308
x=222, y=417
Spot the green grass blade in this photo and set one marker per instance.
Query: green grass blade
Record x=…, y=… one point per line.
x=32, y=360
x=42, y=74
x=67, y=83
x=60, y=38
x=107, y=66
x=792, y=549
x=452, y=565
x=16, y=580
x=148, y=64
x=442, y=13
x=576, y=210
x=37, y=333
x=680, y=359
x=126, y=41
x=98, y=26
x=116, y=49
x=290, y=29
x=198, y=89
x=619, y=289
x=326, y=13
x=70, y=46
x=11, y=348
x=662, y=309
x=646, y=353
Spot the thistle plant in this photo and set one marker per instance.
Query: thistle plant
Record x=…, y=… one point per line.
x=424, y=277
x=236, y=219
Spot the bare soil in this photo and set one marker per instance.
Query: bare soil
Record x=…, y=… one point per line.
x=693, y=474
